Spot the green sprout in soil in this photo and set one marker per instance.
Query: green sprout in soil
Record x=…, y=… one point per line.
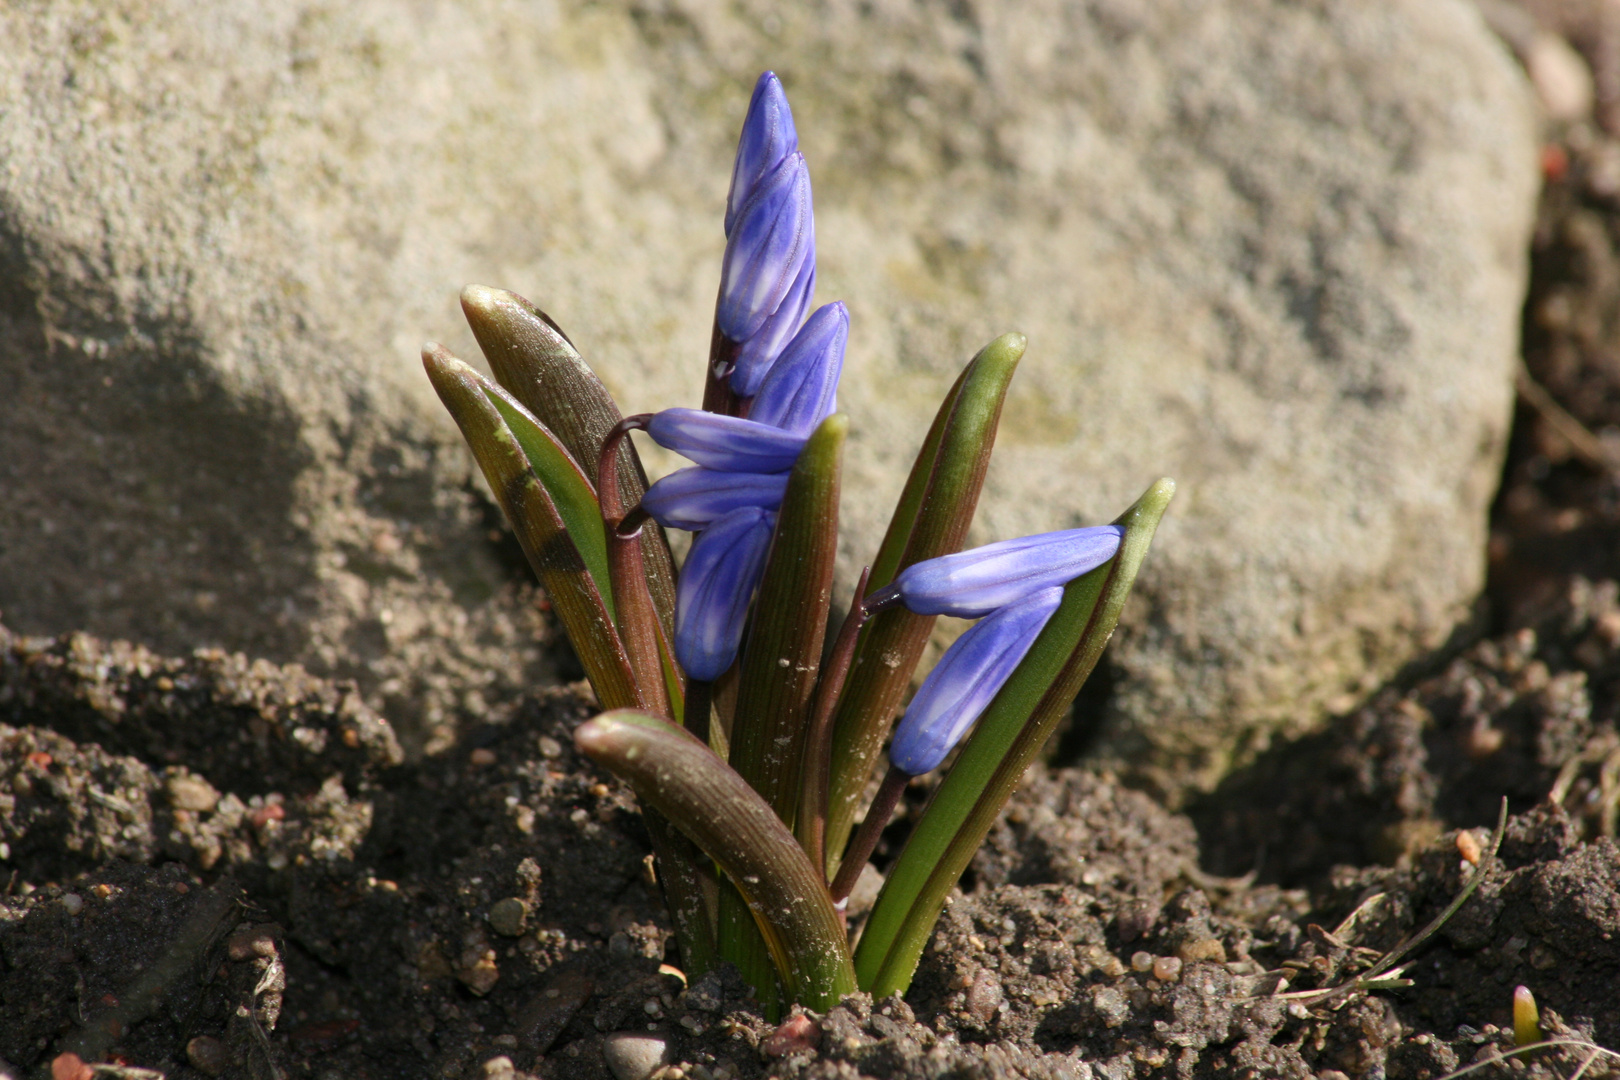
x=749, y=744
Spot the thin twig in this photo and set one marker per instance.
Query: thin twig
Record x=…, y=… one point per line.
x=1494, y=1059
x=1385, y=974
x=1586, y=446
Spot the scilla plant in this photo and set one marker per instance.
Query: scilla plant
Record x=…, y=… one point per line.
x=750, y=754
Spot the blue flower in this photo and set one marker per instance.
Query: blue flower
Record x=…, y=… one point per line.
x=769, y=273
x=716, y=584
x=966, y=679
x=766, y=250
x=768, y=136
x=692, y=499
x=973, y=583
x=757, y=356
x=727, y=443
x=802, y=388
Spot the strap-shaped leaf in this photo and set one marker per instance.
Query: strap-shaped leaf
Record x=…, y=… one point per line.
x=521, y=485
x=534, y=360
x=782, y=655
x=702, y=796
x=570, y=490
x=932, y=518
x=1006, y=739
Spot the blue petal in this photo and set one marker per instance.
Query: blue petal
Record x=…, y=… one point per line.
x=717, y=581
x=757, y=355
x=692, y=498
x=965, y=681
x=767, y=247
x=802, y=389
x=727, y=443
x=976, y=582
x=768, y=136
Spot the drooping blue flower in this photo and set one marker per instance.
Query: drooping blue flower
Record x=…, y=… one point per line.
x=976, y=582
x=767, y=137
x=966, y=679
x=716, y=583
x=802, y=388
x=769, y=243
x=694, y=498
x=727, y=443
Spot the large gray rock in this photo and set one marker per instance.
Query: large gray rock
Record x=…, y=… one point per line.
x=1274, y=250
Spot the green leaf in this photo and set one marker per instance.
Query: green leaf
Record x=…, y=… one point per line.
x=534, y=360
x=676, y=774
x=932, y=518
x=1004, y=742
x=571, y=493
x=536, y=519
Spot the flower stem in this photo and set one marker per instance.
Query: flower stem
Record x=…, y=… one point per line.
x=812, y=820
x=866, y=838
x=638, y=619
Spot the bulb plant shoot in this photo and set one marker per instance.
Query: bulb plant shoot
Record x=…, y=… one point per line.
x=749, y=754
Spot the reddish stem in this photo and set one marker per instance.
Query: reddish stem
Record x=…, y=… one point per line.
x=638, y=618
x=818, y=741
x=866, y=838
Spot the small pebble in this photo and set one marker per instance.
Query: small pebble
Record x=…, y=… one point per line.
x=191, y=793
x=633, y=1055
x=1202, y=949
x=1142, y=961
x=1561, y=77
x=72, y=903
x=509, y=917
x=1167, y=969
x=550, y=748
x=482, y=758
x=251, y=941
x=208, y=1054
x=481, y=975
x=499, y=1068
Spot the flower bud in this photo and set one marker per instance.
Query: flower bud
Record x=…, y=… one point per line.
x=965, y=681
x=727, y=443
x=802, y=388
x=757, y=356
x=973, y=583
x=767, y=137
x=766, y=251
x=692, y=499
x=718, y=580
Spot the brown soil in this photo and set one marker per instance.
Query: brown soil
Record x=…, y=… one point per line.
x=211, y=867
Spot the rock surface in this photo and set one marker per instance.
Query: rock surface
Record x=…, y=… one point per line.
x=1273, y=250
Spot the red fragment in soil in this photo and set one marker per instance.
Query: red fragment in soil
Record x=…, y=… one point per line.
x=798, y=1032
x=268, y=812
x=40, y=758
x=1554, y=163
x=70, y=1067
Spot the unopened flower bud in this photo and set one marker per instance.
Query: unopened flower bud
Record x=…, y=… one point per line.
x=965, y=681
x=767, y=137
x=718, y=580
x=769, y=243
x=727, y=443
x=802, y=388
x=976, y=582
x=692, y=499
